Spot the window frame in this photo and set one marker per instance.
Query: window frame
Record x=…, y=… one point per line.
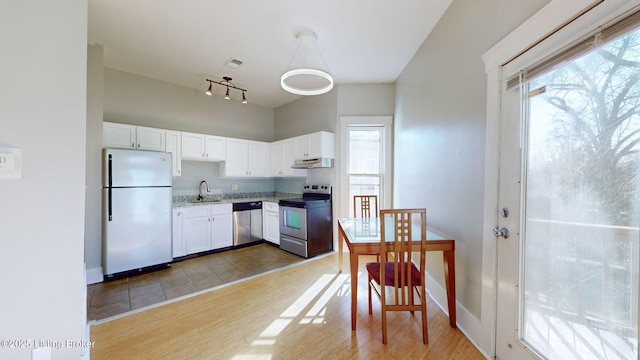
x=386, y=168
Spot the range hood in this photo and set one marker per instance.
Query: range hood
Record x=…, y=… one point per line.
x=312, y=163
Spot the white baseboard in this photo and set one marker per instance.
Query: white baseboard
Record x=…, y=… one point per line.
x=467, y=323
x=94, y=275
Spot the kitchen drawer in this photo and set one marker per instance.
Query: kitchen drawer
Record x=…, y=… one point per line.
x=220, y=209
x=199, y=210
x=269, y=206
x=294, y=246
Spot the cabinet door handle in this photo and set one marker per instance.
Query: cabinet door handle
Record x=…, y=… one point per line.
x=133, y=145
x=138, y=146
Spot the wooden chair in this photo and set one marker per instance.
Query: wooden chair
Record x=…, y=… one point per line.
x=365, y=205
x=398, y=228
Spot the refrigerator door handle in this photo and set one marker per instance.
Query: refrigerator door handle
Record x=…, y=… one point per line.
x=110, y=183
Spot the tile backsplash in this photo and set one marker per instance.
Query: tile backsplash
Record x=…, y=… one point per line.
x=195, y=171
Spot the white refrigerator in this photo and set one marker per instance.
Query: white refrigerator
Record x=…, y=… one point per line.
x=136, y=198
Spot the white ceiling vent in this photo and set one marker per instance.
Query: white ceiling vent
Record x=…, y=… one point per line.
x=233, y=63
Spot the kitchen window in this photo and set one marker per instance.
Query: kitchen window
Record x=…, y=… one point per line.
x=366, y=144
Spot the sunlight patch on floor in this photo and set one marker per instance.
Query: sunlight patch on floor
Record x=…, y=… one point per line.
x=327, y=286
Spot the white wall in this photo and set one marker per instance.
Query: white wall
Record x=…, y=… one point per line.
x=440, y=121
x=43, y=68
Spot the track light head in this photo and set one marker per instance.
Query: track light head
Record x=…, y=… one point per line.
x=209, y=93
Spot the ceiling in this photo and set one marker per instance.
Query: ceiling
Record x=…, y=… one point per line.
x=184, y=42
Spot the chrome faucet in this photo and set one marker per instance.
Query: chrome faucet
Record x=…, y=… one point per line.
x=200, y=196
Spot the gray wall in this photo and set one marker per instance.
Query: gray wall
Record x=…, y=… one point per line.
x=306, y=115
x=93, y=201
x=322, y=113
x=365, y=99
x=43, y=95
x=132, y=99
x=440, y=120
x=138, y=100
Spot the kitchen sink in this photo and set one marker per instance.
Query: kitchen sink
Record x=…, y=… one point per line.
x=203, y=201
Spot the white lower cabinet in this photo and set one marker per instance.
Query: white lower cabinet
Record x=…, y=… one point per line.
x=179, y=245
x=271, y=222
x=221, y=226
x=201, y=228
x=196, y=229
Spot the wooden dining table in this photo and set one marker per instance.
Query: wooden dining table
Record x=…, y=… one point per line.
x=362, y=236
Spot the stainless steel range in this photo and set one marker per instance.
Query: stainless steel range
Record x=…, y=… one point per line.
x=306, y=226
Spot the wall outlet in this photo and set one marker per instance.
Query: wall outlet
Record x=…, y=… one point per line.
x=234, y=187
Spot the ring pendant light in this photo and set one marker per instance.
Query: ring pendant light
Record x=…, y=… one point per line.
x=293, y=80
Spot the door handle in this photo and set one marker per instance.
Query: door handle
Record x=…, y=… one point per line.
x=504, y=232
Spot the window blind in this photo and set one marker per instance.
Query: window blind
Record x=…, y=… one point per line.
x=603, y=34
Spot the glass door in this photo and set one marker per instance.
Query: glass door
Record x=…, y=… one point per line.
x=570, y=178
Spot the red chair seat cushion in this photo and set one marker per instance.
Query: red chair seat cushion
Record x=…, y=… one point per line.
x=374, y=271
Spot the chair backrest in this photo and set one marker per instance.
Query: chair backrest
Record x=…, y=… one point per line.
x=367, y=202
x=398, y=229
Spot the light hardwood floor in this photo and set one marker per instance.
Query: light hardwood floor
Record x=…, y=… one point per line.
x=300, y=312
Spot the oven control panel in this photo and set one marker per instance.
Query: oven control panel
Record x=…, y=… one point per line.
x=317, y=188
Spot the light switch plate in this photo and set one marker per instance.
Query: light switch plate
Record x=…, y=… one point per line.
x=6, y=161
x=10, y=163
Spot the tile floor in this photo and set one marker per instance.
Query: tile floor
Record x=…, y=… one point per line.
x=115, y=297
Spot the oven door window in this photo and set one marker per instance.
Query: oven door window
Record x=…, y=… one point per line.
x=293, y=222
x=293, y=219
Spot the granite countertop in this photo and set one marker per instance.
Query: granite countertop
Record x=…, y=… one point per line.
x=183, y=202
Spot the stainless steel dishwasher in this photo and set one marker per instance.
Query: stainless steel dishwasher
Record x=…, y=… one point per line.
x=247, y=222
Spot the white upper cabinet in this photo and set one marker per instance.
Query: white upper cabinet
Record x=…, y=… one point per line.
x=246, y=158
x=174, y=146
x=243, y=158
x=216, y=147
x=150, y=138
x=125, y=136
x=281, y=159
x=203, y=147
x=316, y=145
x=258, y=158
x=118, y=135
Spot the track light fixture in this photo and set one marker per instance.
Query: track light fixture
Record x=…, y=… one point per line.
x=226, y=82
